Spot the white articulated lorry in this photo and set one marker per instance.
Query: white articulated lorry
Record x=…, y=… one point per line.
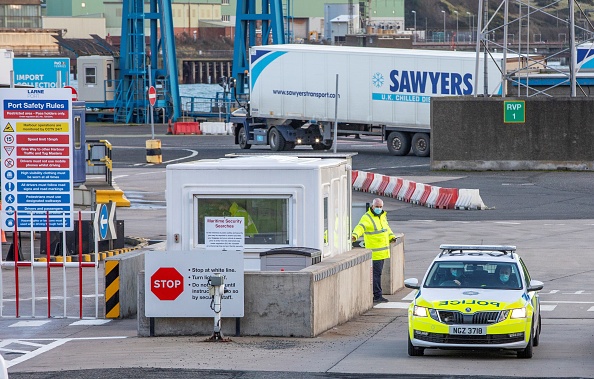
x=382, y=92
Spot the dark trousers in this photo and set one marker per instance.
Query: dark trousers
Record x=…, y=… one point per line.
x=378, y=266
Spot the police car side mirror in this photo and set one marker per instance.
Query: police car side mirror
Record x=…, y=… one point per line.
x=535, y=285
x=412, y=283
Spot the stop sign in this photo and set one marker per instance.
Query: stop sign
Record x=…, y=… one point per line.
x=152, y=95
x=167, y=283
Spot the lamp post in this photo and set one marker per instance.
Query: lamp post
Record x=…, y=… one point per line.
x=444, y=28
x=456, y=12
x=415, y=35
x=469, y=27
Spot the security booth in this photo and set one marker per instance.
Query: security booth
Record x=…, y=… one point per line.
x=276, y=230
x=286, y=201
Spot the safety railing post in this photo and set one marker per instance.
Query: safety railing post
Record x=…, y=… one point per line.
x=15, y=254
x=47, y=252
x=64, y=248
x=80, y=283
x=96, y=247
x=32, y=270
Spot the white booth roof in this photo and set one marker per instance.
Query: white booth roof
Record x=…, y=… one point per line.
x=259, y=162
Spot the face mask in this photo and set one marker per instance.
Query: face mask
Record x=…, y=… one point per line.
x=456, y=273
x=504, y=278
x=377, y=210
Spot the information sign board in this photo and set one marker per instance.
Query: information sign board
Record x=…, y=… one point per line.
x=224, y=233
x=36, y=158
x=176, y=283
x=42, y=72
x=514, y=111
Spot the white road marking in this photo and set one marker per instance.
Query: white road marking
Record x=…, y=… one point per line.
x=193, y=154
x=411, y=295
x=550, y=292
x=581, y=292
x=591, y=309
x=44, y=348
x=567, y=302
x=392, y=305
x=28, y=324
x=507, y=223
x=150, y=173
x=90, y=322
x=548, y=307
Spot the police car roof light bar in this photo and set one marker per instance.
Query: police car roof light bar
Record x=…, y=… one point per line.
x=505, y=249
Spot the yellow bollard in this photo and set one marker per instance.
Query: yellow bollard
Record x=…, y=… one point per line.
x=153, y=151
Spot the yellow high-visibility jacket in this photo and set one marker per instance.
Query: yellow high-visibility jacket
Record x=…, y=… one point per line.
x=250, y=226
x=376, y=233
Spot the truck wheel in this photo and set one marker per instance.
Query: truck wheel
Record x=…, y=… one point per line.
x=399, y=143
x=242, y=139
x=276, y=140
x=420, y=144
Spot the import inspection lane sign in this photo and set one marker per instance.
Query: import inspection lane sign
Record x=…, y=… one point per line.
x=36, y=158
x=514, y=111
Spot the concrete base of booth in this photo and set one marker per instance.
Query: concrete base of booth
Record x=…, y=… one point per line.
x=301, y=303
x=393, y=274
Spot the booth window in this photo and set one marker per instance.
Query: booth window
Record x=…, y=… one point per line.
x=265, y=219
x=109, y=78
x=90, y=75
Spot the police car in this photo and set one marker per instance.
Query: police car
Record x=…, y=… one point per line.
x=475, y=297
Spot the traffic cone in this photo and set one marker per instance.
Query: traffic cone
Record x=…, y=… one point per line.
x=169, y=130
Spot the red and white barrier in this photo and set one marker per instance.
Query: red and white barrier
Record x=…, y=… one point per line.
x=417, y=193
x=31, y=264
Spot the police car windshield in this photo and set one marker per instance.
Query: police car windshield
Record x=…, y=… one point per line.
x=466, y=274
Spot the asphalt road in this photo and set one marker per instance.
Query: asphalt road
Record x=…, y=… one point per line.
x=548, y=215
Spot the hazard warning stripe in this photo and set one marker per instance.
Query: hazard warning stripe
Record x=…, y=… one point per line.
x=112, y=289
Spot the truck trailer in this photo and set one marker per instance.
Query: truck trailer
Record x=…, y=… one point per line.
x=381, y=92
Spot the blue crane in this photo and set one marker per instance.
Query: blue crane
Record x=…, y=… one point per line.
x=248, y=19
x=139, y=69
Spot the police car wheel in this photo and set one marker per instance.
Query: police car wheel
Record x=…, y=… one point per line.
x=536, y=340
x=414, y=351
x=527, y=352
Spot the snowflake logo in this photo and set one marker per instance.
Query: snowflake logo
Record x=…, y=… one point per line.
x=378, y=80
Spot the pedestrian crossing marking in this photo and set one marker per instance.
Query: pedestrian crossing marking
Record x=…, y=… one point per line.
x=411, y=295
x=392, y=305
x=89, y=322
x=28, y=324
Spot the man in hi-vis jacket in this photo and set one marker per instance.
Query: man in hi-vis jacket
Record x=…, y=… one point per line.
x=377, y=235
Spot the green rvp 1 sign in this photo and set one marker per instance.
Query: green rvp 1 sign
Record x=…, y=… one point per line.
x=514, y=111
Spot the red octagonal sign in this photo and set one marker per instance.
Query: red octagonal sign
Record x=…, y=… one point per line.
x=167, y=283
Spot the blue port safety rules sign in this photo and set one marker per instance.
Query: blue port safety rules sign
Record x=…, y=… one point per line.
x=36, y=159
